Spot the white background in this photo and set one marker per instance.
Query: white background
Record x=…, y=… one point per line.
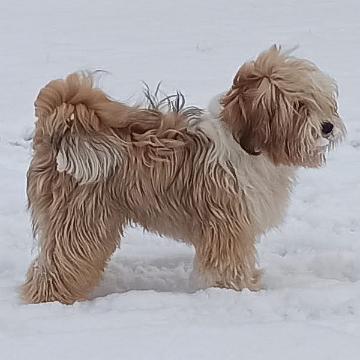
x=144, y=309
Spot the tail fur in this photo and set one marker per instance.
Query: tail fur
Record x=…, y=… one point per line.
x=90, y=132
x=77, y=93
x=78, y=120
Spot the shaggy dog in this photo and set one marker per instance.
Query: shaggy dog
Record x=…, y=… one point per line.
x=216, y=181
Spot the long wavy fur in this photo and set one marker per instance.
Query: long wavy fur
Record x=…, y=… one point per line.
x=99, y=165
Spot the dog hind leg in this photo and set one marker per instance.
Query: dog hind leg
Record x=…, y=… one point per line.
x=78, y=230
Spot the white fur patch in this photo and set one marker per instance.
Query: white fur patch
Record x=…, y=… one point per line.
x=225, y=147
x=214, y=106
x=263, y=187
x=87, y=162
x=321, y=142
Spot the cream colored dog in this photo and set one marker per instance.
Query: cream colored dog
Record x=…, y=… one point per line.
x=216, y=181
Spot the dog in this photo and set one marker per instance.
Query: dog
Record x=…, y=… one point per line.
x=217, y=180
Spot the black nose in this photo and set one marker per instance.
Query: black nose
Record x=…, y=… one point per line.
x=326, y=128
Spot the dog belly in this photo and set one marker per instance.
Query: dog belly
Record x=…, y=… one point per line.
x=169, y=225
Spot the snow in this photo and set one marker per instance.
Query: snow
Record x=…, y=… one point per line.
x=145, y=307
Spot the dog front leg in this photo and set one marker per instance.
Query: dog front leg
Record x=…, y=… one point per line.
x=226, y=258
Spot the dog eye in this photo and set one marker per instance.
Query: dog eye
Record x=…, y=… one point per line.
x=327, y=128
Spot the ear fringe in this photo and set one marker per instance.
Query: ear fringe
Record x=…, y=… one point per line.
x=271, y=104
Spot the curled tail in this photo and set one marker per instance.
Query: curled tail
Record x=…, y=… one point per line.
x=78, y=120
x=75, y=95
x=90, y=132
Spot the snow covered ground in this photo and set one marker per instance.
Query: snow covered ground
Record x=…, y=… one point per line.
x=144, y=308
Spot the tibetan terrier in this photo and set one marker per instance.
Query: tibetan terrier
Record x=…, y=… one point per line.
x=216, y=181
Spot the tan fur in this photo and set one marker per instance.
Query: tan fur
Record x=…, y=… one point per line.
x=276, y=106
x=99, y=165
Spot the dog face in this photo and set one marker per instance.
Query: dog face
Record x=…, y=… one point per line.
x=285, y=108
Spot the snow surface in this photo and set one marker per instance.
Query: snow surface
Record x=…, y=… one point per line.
x=144, y=307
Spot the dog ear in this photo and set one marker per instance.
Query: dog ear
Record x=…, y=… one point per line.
x=255, y=108
x=246, y=113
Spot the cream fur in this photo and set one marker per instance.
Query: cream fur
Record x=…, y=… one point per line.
x=266, y=186
x=84, y=161
x=216, y=179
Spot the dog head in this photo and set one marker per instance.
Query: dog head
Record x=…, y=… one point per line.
x=285, y=108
